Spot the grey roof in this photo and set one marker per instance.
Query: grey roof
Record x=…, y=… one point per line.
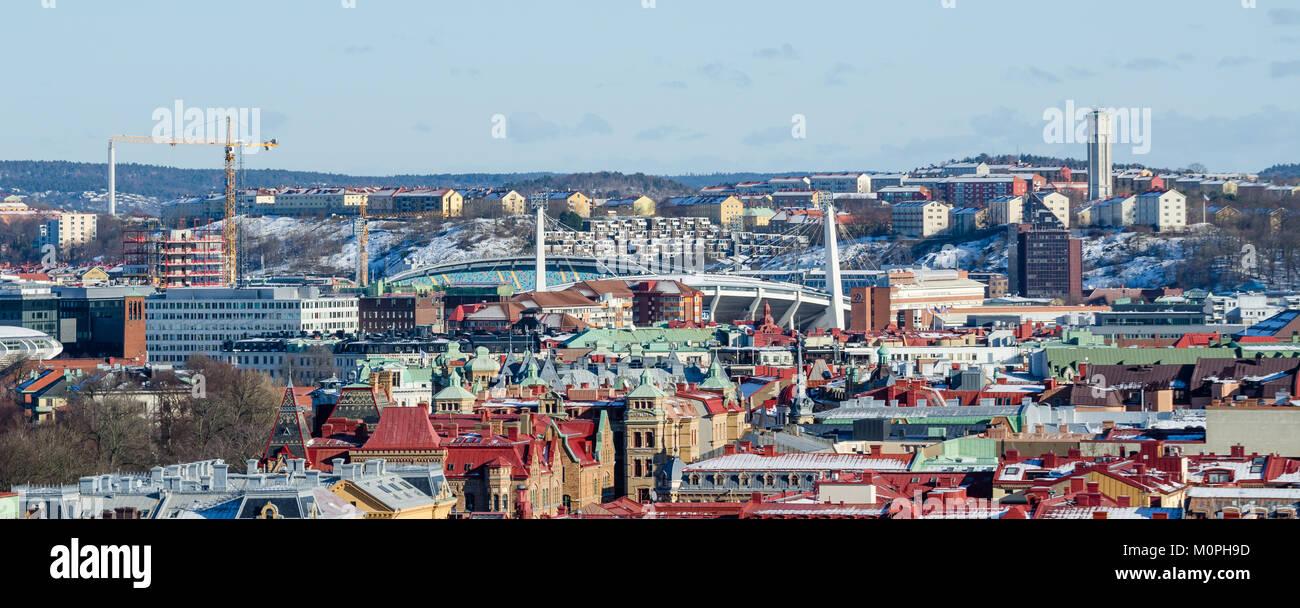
x=191, y=490
x=790, y=442
x=942, y=411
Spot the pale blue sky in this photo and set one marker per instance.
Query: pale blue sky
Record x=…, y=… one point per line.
x=410, y=86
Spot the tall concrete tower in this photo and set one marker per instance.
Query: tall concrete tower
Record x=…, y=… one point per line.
x=112, y=179
x=1100, y=136
x=540, y=284
x=835, y=315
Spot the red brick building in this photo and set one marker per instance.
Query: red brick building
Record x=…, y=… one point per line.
x=973, y=190
x=671, y=301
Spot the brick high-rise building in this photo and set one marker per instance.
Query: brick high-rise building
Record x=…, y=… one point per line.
x=1047, y=263
x=869, y=308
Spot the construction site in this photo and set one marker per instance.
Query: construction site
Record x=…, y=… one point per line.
x=194, y=256
x=170, y=257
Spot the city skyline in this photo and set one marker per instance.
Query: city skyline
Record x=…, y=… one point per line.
x=671, y=89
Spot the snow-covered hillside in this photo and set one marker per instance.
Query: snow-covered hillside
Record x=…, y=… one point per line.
x=329, y=245
x=95, y=201
x=1128, y=259
x=291, y=245
x=1112, y=259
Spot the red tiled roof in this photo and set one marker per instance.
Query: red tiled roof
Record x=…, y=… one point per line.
x=468, y=453
x=302, y=396
x=403, y=428
x=576, y=434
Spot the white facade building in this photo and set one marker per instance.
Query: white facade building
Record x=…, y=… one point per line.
x=841, y=183
x=1059, y=205
x=195, y=321
x=1166, y=211
x=70, y=230
x=920, y=219
x=1006, y=210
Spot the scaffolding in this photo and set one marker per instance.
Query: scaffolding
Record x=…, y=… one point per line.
x=174, y=257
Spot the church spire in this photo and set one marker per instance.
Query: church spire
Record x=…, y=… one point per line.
x=289, y=435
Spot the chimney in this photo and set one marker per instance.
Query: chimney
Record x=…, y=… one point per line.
x=1094, y=487
x=350, y=471
x=1160, y=515
x=1238, y=451
x=877, y=450
x=220, y=471
x=1049, y=460
x=1123, y=500
x=252, y=466
x=1076, y=485
x=954, y=494
x=313, y=478
x=337, y=464
x=729, y=449
x=1100, y=515
x=1012, y=456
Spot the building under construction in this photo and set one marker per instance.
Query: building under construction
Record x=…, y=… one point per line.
x=174, y=257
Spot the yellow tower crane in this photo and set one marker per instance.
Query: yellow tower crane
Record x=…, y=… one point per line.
x=363, y=237
x=229, y=231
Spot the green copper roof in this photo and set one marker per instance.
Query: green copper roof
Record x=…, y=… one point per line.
x=963, y=453
x=454, y=390
x=647, y=388
x=620, y=340
x=483, y=361
x=717, y=380
x=530, y=375
x=1061, y=358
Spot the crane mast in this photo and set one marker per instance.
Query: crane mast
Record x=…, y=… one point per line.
x=229, y=228
x=362, y=231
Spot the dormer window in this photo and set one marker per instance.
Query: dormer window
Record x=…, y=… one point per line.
x=1218, y=477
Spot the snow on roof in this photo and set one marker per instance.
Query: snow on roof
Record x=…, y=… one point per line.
x=799, y=462
x=1217, y=492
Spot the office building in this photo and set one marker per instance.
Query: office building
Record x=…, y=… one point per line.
x=196, y=321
